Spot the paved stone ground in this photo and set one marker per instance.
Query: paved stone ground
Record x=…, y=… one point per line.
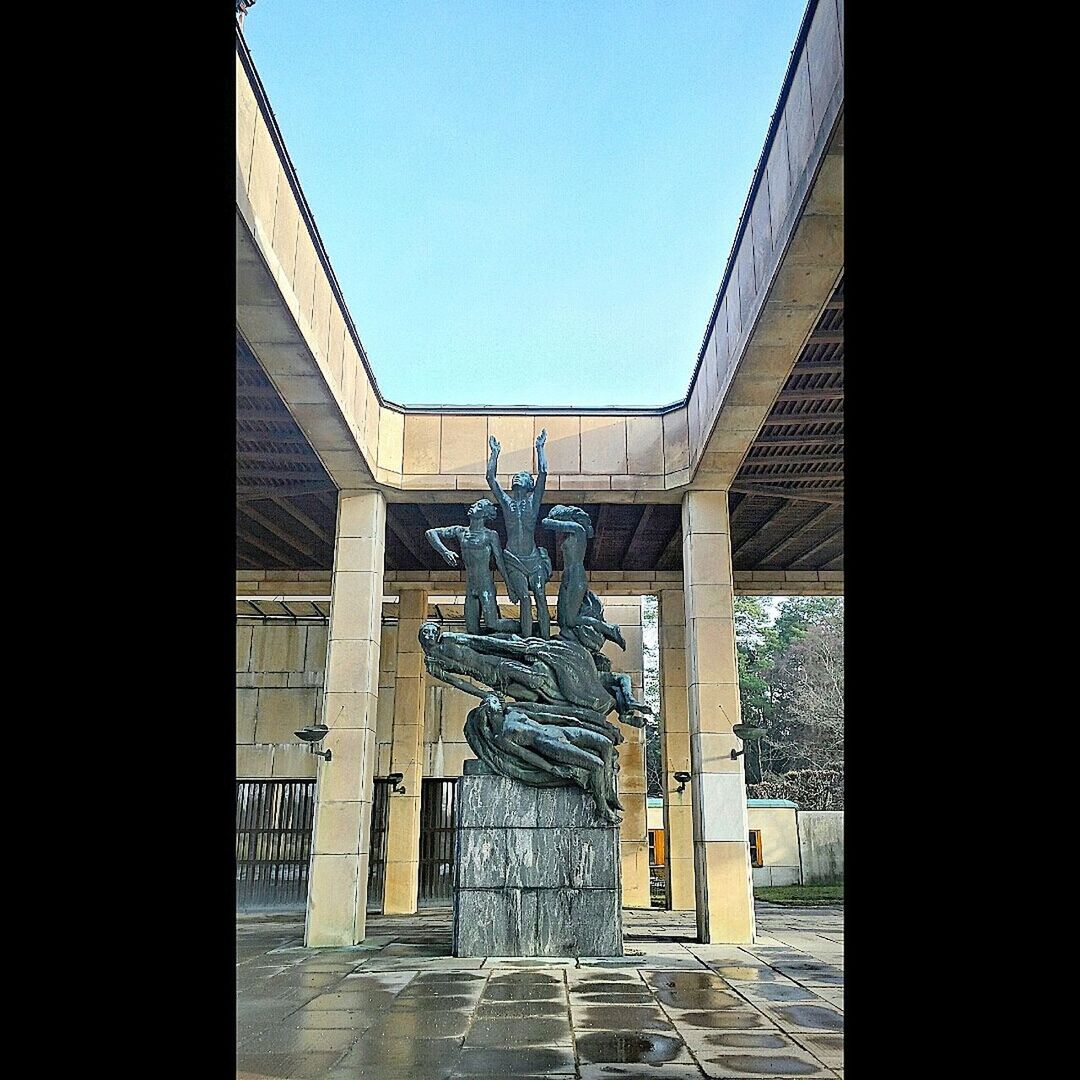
x=400, y=1007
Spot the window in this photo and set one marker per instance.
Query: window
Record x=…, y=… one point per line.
x=755, y=848
x=656, y=847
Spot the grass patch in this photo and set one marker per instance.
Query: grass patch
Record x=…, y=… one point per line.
x=801, y=894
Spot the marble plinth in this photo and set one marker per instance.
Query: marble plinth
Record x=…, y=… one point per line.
x=537, y=871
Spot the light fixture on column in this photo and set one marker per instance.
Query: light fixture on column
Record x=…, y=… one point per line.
x=682, y=779
x=313, y=734
x=748, y=733
x=396, y=786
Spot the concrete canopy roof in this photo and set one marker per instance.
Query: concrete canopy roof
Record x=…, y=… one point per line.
x=762, y=417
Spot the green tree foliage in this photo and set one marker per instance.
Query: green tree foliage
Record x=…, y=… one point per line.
x=791, y=681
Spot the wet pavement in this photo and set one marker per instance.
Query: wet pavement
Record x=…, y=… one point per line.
x=400, y=1007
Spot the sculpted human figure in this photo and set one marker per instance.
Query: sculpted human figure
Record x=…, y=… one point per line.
x=526, y=681
x=513, y=741
x=478, y=545
x=528, y=566
x=552, y=671
x=580, y=612
x=576, y=526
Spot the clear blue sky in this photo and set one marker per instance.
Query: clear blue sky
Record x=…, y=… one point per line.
x=526, y=202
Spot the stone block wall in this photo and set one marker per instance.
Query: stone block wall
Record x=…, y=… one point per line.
x=821, y=844
x=279, y=681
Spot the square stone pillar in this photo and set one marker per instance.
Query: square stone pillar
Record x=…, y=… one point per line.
x=722, y=872
x=406, y=757
x=337, y=889
x=632, y=785
x=675, y=749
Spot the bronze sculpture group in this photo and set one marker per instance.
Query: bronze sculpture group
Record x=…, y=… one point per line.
x=552, y=731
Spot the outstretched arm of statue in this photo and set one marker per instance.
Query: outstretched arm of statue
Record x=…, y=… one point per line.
x=490, y=645
x=541, y=467
x=555, y=525
x=452, y=680
x=493, y=464
x=435, y=539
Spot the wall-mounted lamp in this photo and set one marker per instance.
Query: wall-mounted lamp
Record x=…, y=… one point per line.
x=313, y=734
x=682, y=779
x=396, y=786
x=748, y=733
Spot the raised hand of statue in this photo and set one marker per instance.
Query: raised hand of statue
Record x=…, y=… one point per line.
x=451, y=558
x=494, y=444
x=541, y=438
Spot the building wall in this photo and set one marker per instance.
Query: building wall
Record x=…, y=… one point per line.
x=779, y=844
x=821, y=841
x=279, y=679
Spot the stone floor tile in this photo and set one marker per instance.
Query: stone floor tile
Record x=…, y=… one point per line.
x=354, y=1020
x=286, y=1066
x=672, y=960
x=542, y=1061
x=829, y=1049
x=519, y=1010
x=530, y=962
x=746, y=1019
x=532, y=1031
x=617, y=1071
x=420, y=1023
x=777, y=991
x=809, y=1018
x=765, y=1066
x=632, y=1018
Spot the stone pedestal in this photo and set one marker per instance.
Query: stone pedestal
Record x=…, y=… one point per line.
x=537, y=871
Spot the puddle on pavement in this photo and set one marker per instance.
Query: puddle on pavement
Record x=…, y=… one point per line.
x=700, y=999
x=615, y=999
x=747, y=974
x=686, y=980
x=528, y=978
x=449, y=976
x=519, y=1010
x=511, y=992
x=748, y=1040
x=733, y=1020
x=627, y=1048
x=783, y=992
x=766, y=1064
x=811, y=1016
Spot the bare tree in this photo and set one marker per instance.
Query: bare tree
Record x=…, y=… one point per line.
x=804, y=749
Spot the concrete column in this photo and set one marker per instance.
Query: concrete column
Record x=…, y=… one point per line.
x=406, y=757
x=722, y=872
x=337, y=890
x=632, y=785
x=675, y=750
